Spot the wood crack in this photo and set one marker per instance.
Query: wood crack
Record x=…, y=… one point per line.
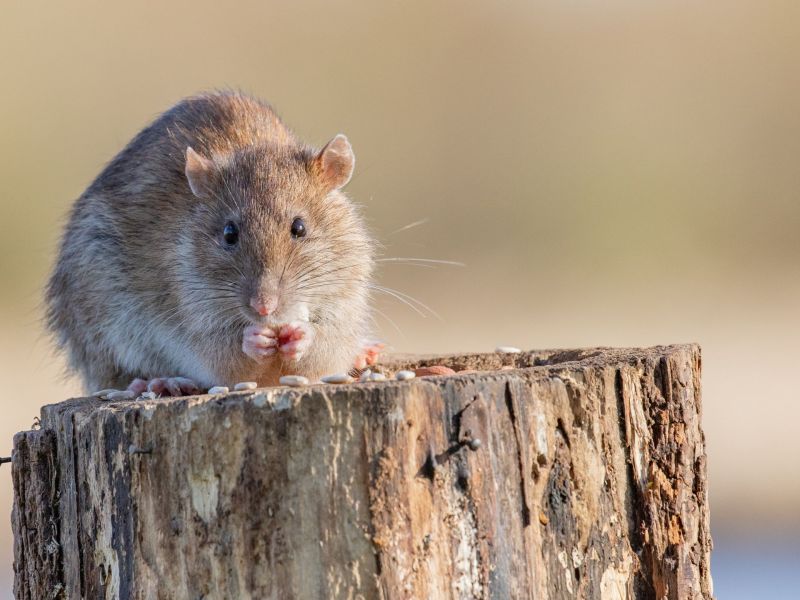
x=526, y=511
x=76, y=481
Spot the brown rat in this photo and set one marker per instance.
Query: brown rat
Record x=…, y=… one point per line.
x=215, y=248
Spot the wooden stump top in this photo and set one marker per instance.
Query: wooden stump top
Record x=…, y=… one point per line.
x=587, y=479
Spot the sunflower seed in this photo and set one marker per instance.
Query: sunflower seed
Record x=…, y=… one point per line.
x=220, y=389
x=404, y=375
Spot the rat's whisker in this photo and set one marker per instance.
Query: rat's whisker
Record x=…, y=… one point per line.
x=410, y=225
x=388, y=318
x=400, y=299
x=422, y=261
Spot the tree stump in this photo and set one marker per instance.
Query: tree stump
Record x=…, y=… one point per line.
x=552, y=474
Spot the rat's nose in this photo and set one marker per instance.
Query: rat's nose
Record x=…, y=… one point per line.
x=264, y=305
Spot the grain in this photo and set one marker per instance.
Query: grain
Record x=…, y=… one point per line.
x=293, y=380
x=404, y=375
x=433, y=370
x=337, y=378
x=245, y=385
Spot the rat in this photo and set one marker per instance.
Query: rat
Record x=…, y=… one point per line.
x=215, y=248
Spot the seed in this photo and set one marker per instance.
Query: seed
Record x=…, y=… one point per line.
x=293, y=380
x=148, y=396
x=433, y=370
x=120, y=395
x=365, y=375
x=404, y=375
x=245, y=385
x=337, y=378
x=474, y=444
x=377, y=377
x=507, y=350
x=221, y=389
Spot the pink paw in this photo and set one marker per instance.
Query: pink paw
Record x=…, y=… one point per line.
x=369, y=355
x=259, y=342
x=165, y=386
x=295, y=339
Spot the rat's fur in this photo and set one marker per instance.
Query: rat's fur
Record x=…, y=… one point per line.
x=143, y=285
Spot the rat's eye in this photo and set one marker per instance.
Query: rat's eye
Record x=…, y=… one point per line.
x=298, y=228
x=230, y=234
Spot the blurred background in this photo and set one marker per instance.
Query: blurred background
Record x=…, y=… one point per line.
x=622, y=173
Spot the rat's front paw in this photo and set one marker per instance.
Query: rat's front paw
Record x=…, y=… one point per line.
x=259, y=342
x=165, y=386
x=369, y=355
x=295, y=339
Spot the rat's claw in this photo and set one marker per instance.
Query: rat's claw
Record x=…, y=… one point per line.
x=295, y=339
x=259, y=342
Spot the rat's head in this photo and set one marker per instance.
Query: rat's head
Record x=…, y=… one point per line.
x=278, y=239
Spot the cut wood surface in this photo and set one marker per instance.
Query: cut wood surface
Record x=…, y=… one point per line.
x=551, y=474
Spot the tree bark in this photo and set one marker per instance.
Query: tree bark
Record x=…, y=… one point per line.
x=566, y=474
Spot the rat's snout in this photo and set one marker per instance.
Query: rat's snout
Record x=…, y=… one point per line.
x=264, y=304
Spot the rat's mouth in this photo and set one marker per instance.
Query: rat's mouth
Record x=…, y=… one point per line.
x=267, y=320
x=273, y=321
x=280, y=317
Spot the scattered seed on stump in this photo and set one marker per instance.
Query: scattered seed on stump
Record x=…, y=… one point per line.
x=507, y=350
x=245, y=385
x=293, y=380
x=404, y=375
x=219, y=389
x=337, y=378
x=365, y=376
x=434, y=370
x=377, y=377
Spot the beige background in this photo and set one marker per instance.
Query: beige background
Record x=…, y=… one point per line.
x=615, y=173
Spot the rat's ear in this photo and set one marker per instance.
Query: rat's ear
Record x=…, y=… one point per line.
x=199, y=173
x=334, y=163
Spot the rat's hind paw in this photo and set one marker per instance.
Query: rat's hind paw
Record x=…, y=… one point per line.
x=369, y=355
x=259, y=342
x=165, y=386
